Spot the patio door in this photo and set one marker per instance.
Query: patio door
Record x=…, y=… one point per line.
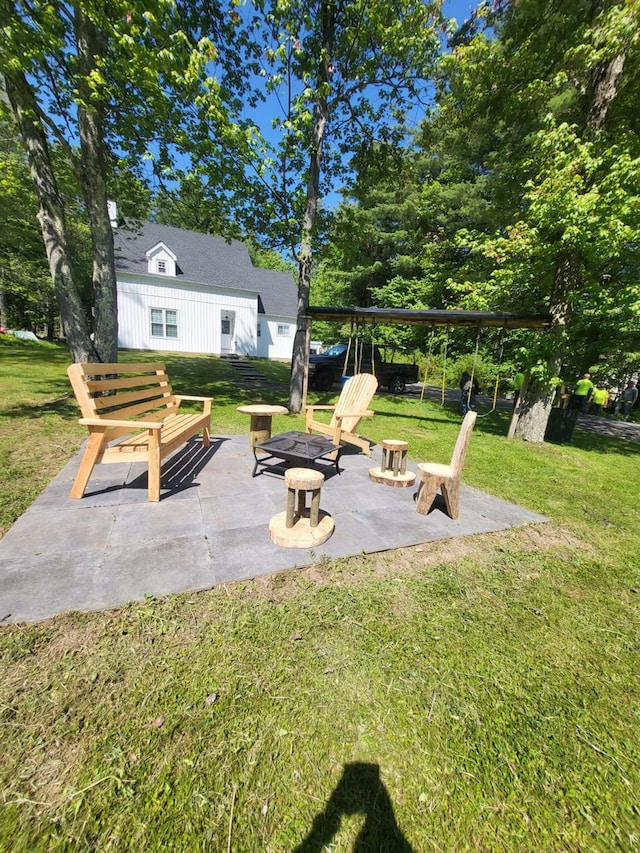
x=227, y=332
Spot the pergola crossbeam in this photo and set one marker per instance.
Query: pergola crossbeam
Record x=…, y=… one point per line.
x=429, y=317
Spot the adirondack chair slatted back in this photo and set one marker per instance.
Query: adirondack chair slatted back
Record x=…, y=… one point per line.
x=356, y=396
x=462, y=443
x=144, y=394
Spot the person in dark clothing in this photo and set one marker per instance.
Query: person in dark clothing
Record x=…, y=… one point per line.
x=469, y=388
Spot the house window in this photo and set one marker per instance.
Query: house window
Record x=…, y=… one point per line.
x=225, y=326
x=162, y=267
x=284, y=330
x=164, y=323
x=259, y=330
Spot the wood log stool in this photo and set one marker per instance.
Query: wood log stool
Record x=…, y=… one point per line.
x=301, y=526
x=393, y=470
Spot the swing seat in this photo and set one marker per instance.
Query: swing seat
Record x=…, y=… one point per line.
x=357, y=392
x=434, y=475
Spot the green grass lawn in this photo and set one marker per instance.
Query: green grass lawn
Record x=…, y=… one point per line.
x=478, y=694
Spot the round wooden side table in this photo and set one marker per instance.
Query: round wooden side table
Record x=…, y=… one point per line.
x=261, y=415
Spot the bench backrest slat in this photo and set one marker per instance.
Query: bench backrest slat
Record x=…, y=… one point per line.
x=121, y=383
x=113, y=391
x=153, y=395
x=105, y=369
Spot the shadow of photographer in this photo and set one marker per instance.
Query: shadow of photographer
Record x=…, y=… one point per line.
x=359, y=791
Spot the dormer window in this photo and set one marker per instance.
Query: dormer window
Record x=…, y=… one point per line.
x=161, y=260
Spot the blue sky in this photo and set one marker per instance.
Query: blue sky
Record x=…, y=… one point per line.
x=458, y=9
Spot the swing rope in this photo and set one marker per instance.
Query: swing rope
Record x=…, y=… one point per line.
x=373, y=347
x=426, y=367
x=346, y=356
x=473, y=367
x=357, y=362
x=444, y=368
x=497, y=382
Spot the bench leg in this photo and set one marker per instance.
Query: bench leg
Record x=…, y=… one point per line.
x=153, y=491
x=205, y=436
x=94, y=451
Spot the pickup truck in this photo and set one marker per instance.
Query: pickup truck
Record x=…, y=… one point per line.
x=327, y=367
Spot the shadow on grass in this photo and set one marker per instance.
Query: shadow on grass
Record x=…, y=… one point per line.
x=65, y=407
x=497, y=423
x=604, y=444
x=359, y=791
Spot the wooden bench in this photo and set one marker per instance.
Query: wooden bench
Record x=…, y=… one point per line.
x=136, y=401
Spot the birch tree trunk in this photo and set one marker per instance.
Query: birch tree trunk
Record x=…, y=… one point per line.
x=51, y=217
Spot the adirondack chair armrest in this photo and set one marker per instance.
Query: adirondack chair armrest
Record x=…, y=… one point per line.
x=319, y=408
x=206, y=401
x=113, y=422
x=367, y=414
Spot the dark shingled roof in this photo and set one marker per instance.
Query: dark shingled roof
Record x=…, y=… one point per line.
x=205, y=259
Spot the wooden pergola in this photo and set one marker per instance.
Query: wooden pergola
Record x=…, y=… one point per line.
x=429, y=317
x=420, y=317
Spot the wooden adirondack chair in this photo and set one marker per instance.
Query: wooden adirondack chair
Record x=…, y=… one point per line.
x=357, y=393
x=434, y=476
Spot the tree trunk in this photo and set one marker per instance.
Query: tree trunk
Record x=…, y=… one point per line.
x=605, y=88
x=51, y=217
x=536, y=408
x=297, y=390
x=539, y=394
x=95, y=193
x=3, y=305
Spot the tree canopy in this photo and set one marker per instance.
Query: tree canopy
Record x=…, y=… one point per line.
x=111, y=88
x=519, y=190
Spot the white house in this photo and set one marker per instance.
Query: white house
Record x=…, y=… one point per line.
x=189, y=292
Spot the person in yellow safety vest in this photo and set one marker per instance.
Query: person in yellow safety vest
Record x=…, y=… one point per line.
x=582, y=394
x=599, y=399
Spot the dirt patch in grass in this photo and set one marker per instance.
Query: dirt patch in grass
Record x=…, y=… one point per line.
x=485, y=549
x=72, y=639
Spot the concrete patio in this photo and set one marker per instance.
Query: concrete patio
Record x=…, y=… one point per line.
x=210, y=528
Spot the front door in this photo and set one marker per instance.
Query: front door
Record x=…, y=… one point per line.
x=227, y=326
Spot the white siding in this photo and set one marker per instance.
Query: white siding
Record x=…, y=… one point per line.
x=199, y=312
x=270, y=343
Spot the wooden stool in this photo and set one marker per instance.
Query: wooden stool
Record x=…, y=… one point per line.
x=393, y=470
x=299, y=526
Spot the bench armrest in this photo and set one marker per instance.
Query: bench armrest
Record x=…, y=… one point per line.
x=112, y=422
x=206, y=401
